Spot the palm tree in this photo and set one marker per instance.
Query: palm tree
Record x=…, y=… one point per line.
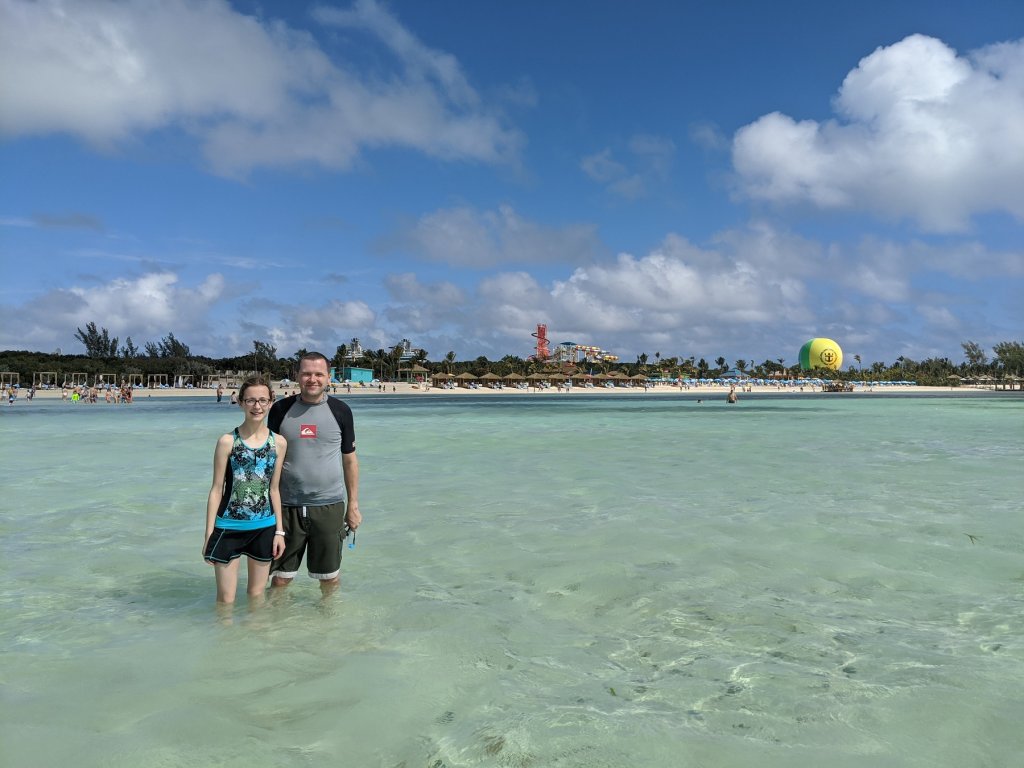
x=375, y=357
x=395, y=358
x=341, y=356
x=449, y=359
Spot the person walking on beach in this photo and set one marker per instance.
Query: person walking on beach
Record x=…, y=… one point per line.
x=320, y=473
x=243, y=510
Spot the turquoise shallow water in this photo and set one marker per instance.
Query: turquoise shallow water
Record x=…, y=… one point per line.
x=540, y=581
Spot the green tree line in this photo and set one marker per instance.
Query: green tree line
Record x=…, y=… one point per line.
x=172, y=357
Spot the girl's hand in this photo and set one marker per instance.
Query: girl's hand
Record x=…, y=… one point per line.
x=278, y=548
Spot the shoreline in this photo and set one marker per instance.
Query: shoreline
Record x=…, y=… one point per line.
x=406, y=388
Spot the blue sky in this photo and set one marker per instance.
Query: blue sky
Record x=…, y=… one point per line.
x=689, y=178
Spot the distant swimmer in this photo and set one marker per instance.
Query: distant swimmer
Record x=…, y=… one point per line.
x=732, y=398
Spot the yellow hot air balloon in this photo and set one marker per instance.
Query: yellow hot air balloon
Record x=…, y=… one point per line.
x=820, y=353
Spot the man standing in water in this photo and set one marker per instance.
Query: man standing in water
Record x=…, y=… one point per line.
x=320, y=470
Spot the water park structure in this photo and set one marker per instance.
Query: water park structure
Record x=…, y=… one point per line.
x=567, y=351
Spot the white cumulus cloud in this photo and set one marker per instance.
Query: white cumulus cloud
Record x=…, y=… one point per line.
x=254, y=93
x=920, y=133
x=146, y=308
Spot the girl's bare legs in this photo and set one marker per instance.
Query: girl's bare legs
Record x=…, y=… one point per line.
x=259, y=572
x=227, y=580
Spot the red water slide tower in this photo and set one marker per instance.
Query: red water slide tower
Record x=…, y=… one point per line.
x=543, y=350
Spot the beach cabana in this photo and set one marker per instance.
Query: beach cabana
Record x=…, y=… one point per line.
x=416, y=372
x=44, y=379
x=537, y=379
x=106, y=379
x=156, y=380
x=465, y=378
x=10, y=379
x=616, y=378
x=490, y=378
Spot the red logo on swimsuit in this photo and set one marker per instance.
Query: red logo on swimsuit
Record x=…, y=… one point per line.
x=307, y=430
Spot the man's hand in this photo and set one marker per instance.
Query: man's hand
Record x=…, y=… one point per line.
x=353, y=517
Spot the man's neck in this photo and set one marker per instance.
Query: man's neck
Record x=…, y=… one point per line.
x=314, y=401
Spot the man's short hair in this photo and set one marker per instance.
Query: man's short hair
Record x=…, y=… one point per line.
x=315, y=356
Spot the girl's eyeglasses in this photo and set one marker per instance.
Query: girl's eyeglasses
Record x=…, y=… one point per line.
x=251, y=401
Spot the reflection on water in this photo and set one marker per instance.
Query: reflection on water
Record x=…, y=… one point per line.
x=797, y=581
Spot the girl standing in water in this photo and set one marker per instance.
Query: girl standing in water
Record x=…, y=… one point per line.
x=243, y=511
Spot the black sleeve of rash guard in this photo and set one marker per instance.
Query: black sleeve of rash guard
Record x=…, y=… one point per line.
x=277, y=412
x=343, y=415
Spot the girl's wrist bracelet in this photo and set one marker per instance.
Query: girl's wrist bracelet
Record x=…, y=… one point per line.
x=279, y=533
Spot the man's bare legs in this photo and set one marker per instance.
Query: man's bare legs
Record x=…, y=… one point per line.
x=327, y=586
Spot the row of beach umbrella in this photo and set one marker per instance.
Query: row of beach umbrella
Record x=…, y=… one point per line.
x=538, y=377
x=619, y=376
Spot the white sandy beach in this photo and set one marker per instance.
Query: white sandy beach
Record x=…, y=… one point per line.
x=406, y=388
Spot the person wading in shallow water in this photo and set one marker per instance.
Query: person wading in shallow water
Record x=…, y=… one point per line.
x=320, y=473
x=243, y=510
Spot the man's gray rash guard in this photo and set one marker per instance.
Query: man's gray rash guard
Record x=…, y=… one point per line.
x=317, y=436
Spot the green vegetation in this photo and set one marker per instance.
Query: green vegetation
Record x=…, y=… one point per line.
x=172, y=357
